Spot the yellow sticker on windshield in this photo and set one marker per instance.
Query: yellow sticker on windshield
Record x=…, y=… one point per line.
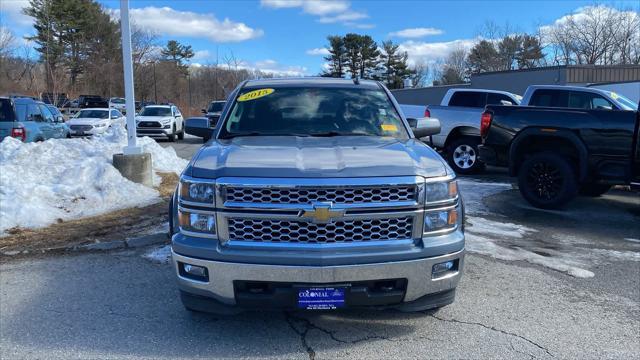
x=255, y=94
x=614, y=95
x=389, y=127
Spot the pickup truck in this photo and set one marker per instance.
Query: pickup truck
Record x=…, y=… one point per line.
x=458, y=114
x=314, y=193
x=575, y=140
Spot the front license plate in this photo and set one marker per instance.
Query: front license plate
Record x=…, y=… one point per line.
x=79, y=132
x=328, y=298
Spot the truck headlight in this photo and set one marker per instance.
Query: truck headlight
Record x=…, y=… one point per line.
x=198, y=222
x=442, y=219
x=441, y=192
x=201, y=192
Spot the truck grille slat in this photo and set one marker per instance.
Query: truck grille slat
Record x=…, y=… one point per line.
x=338, y=195
x=288, y=231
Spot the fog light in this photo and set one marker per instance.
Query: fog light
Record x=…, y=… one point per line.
x=194, y=270
x=441, y=269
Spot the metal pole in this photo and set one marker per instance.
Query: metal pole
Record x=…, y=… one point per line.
x=155, y=85
x=127, y=63
x=189, y=87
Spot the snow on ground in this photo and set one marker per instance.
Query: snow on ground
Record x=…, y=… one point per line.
x=160, y=255
x=72, y=178
x=509, y=241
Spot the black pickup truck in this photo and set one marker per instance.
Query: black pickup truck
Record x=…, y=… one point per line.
x=558, y=153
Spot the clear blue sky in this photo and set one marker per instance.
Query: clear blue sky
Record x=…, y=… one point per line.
x=281, y=35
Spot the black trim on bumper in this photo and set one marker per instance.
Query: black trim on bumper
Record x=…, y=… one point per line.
x=209, y=305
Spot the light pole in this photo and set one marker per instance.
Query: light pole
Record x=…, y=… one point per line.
x=133, y=164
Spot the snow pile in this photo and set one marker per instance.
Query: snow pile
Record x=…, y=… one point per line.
x=63, y=179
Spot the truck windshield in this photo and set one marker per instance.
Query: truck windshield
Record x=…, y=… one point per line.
x=624, y=102
x=314, y=112
x=156, y=111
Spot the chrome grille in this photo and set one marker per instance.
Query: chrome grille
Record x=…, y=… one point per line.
x=287, y=231
x=339, y=195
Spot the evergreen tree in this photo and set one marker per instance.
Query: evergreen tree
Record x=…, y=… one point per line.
x=483, y=57
x=394, y=63
x=337, y=57
x=177, y=53
x=530, y=54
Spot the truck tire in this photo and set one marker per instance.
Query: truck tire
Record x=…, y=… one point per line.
x=547, y=181
x=594, y=190
x=462, y=155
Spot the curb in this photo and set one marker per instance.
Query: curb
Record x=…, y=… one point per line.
x=131, y=243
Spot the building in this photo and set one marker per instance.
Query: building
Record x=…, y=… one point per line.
x=517, y=81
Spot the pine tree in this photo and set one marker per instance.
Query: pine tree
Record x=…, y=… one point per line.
x=394, y=64
x=177, y=53
x=337, y=57
x=530, y=54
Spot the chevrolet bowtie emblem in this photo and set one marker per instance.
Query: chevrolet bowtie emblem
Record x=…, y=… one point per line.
x=322, y=213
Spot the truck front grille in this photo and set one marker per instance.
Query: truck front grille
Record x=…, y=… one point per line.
x=288, y=231
x=81, y=127
x=338, y=195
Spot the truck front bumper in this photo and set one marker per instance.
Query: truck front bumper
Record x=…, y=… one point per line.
x=224, y=289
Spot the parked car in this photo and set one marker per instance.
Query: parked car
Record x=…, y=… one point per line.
x=213, y=112
x=458, y=114
x=160, y=121
x=119, y=104
x=95, y=121
x=29, y=120
x=56, y=113
x=316, y=194
x=574, y=140
x=92, y=101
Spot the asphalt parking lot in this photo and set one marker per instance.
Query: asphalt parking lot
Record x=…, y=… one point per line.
x=537, y=284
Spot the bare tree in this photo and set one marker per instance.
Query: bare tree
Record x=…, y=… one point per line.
x=420, y=76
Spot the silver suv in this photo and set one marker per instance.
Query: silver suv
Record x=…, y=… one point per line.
x=316, y=194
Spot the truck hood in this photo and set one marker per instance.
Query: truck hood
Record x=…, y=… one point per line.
x=296, y=157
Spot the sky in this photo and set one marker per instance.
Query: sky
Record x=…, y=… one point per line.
x=288, y=37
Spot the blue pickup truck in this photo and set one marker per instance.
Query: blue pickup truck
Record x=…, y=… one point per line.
x=29, y=120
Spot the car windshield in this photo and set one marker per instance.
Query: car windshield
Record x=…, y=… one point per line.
x=314, y=112
x=156, y=111
x=624, y=102
x=215, y=107
x=54, y=110
x=117, y=100
x=95, y=114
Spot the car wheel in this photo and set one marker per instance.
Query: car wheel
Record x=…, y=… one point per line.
x=172, y=136
x=462, y=155
x=594, y=190
x=547, y=181
x=181, y=135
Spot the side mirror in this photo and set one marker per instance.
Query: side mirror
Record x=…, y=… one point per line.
x=204, y=111
x=424, y=127
x=198, y=126
x=59, y=118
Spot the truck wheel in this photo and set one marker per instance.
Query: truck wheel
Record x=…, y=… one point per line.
x=462, y=155
x=595, y=190
x=547, y=181
x=181, y=135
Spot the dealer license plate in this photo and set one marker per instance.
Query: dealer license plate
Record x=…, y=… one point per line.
x=326, y=298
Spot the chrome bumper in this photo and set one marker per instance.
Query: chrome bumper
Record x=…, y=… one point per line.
x=222, y=275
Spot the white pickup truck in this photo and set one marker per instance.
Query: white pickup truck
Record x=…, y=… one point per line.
x=459, y=116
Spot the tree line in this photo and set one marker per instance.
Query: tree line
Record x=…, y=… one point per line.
x=359, y=56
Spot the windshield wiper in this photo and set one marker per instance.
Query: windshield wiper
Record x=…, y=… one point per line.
x=339, y=133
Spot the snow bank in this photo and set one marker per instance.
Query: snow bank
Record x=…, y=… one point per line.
x=71, y=178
